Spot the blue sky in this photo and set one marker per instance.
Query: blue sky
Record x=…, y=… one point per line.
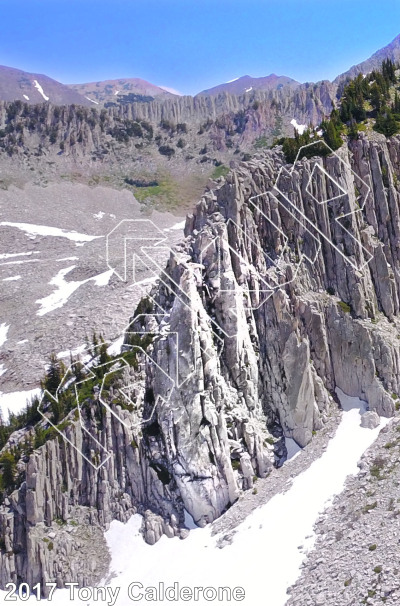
x=191, y=45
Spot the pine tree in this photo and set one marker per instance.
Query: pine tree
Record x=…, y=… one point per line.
x=353, y=130
x=386, y=123
x=345, y=112
x=388, y=71
x=77, y=369
x=396, y=105
x=54, y=375
x=104, y=357
x=8, y=466
x=376, y=97
x=332, y=136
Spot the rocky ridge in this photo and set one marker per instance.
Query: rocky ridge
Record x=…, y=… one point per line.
x=112, y=91
x=390, y=51
x=230, y=371
x=219, y=122
x=177, y=143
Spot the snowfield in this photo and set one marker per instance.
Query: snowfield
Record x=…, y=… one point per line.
x=76, y=351
x=92, y=100
x=40, y=89
x=15, y=402
x=59, y=297
x=44, y=230
x=22, y=254
x=115, y=348
x=275, y=530
x=299, y=127
x=279, y=532
x=11, y=279
x=180, y=226
x=3, y=333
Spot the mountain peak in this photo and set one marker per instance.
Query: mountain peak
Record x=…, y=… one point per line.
x=244, y=84
x=107, y=91
x=16, y=84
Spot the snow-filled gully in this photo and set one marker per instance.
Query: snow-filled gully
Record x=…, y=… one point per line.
x=264, y=557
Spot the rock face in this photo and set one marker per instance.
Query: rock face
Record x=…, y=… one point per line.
x=370, y=419
x=275, y=298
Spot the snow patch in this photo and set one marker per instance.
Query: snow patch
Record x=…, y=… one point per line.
x=68, y=259
x=116, y=92
x=92, y=100
x=40, y=89
x=23, y=341
x=23, y=254
x=20, y=262
x=115, y=348
x=299, y=127
x=75, y=352
x=348, y=402
x=26, y=97
x=3, y=333
x=177, y=226
x=249, y=89
x=233, y=80
x=103, y=279
x=45, y=230
x=15, y=402
x=144, y=282
x=99, y=215
x=59, y=297
x=11, y=278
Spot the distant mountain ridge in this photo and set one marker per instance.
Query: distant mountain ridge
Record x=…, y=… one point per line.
x=245, y=84
x=109, y=91
x=16, y=84
x=33, y=88
x=391, y=51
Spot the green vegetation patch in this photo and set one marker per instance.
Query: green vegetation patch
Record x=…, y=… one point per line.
x=220, y=171
x=344, y=306
x=164, y=195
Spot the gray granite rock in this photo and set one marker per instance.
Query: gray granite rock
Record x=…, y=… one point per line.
x=370, y=419
x=230, y=364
